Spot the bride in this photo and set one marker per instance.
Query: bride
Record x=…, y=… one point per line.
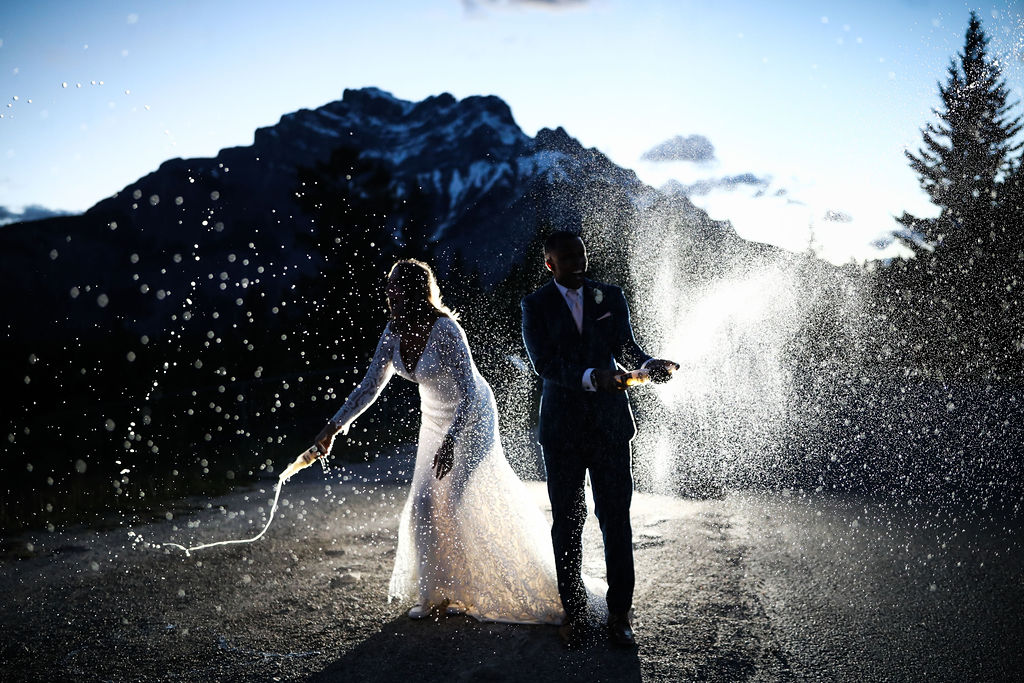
x=469, y=538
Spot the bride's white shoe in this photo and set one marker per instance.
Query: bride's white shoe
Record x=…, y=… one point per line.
x=454, y=608
x=419, y=611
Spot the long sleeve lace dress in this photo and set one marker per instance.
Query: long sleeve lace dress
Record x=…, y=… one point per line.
x=474, y=538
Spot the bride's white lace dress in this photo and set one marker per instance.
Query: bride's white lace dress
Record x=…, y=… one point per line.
x=474, y=538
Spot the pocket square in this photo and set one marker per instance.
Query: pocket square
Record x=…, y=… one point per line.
x=606, y=315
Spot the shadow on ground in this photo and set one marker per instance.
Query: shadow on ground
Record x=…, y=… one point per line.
x=407, y=650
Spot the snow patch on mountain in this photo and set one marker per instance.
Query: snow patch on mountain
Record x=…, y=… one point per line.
x=539, y=163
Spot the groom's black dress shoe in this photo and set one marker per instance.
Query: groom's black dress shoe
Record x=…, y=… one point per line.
x=620, y=631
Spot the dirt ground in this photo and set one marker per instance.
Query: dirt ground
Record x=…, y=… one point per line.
x=749, y=587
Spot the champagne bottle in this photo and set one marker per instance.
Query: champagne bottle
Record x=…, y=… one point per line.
x=634, y=377
x=305, y=459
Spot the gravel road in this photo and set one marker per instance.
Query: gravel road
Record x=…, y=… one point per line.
x=762, y=586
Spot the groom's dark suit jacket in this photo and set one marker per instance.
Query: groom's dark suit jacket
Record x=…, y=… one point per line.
x=561, y=354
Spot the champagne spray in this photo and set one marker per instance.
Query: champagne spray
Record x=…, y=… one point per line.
x=305, y=459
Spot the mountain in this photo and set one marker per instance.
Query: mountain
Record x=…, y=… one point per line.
x=483, y=185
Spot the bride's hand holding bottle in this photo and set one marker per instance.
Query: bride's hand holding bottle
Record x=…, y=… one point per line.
x=324, y=440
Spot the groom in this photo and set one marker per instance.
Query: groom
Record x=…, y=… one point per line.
x=575, y=330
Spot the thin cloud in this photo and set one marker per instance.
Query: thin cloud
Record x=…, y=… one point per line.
x=778, y=194
x=473, y=5
x=706, y=186
x=32, y=212
x=696, y=148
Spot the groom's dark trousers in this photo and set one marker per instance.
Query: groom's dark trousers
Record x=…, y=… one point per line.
x=612, y=485
x=582, y=431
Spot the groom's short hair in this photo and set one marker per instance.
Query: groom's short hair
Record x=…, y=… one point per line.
x=558, y=238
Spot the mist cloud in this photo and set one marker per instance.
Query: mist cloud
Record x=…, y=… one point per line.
x=696, y=148
x=838, y=217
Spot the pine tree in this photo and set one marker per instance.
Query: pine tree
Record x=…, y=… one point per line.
x=956, y=285
x=967, y=153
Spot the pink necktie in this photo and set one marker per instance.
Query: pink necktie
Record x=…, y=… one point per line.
x=574, y=306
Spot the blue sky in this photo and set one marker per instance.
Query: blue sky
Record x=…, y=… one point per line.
x=817, y=100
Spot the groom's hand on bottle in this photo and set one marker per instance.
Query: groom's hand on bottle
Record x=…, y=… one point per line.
x=444, y=458
x=608, y=380
x=661, y=370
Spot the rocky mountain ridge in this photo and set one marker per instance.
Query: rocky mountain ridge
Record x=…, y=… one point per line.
x=482, y=190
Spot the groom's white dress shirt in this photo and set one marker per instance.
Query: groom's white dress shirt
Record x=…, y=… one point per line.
x=576, y=308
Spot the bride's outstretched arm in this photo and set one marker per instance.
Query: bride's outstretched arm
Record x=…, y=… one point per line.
x=366, y=392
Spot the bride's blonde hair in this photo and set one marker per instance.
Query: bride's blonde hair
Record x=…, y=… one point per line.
x=422, y=276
